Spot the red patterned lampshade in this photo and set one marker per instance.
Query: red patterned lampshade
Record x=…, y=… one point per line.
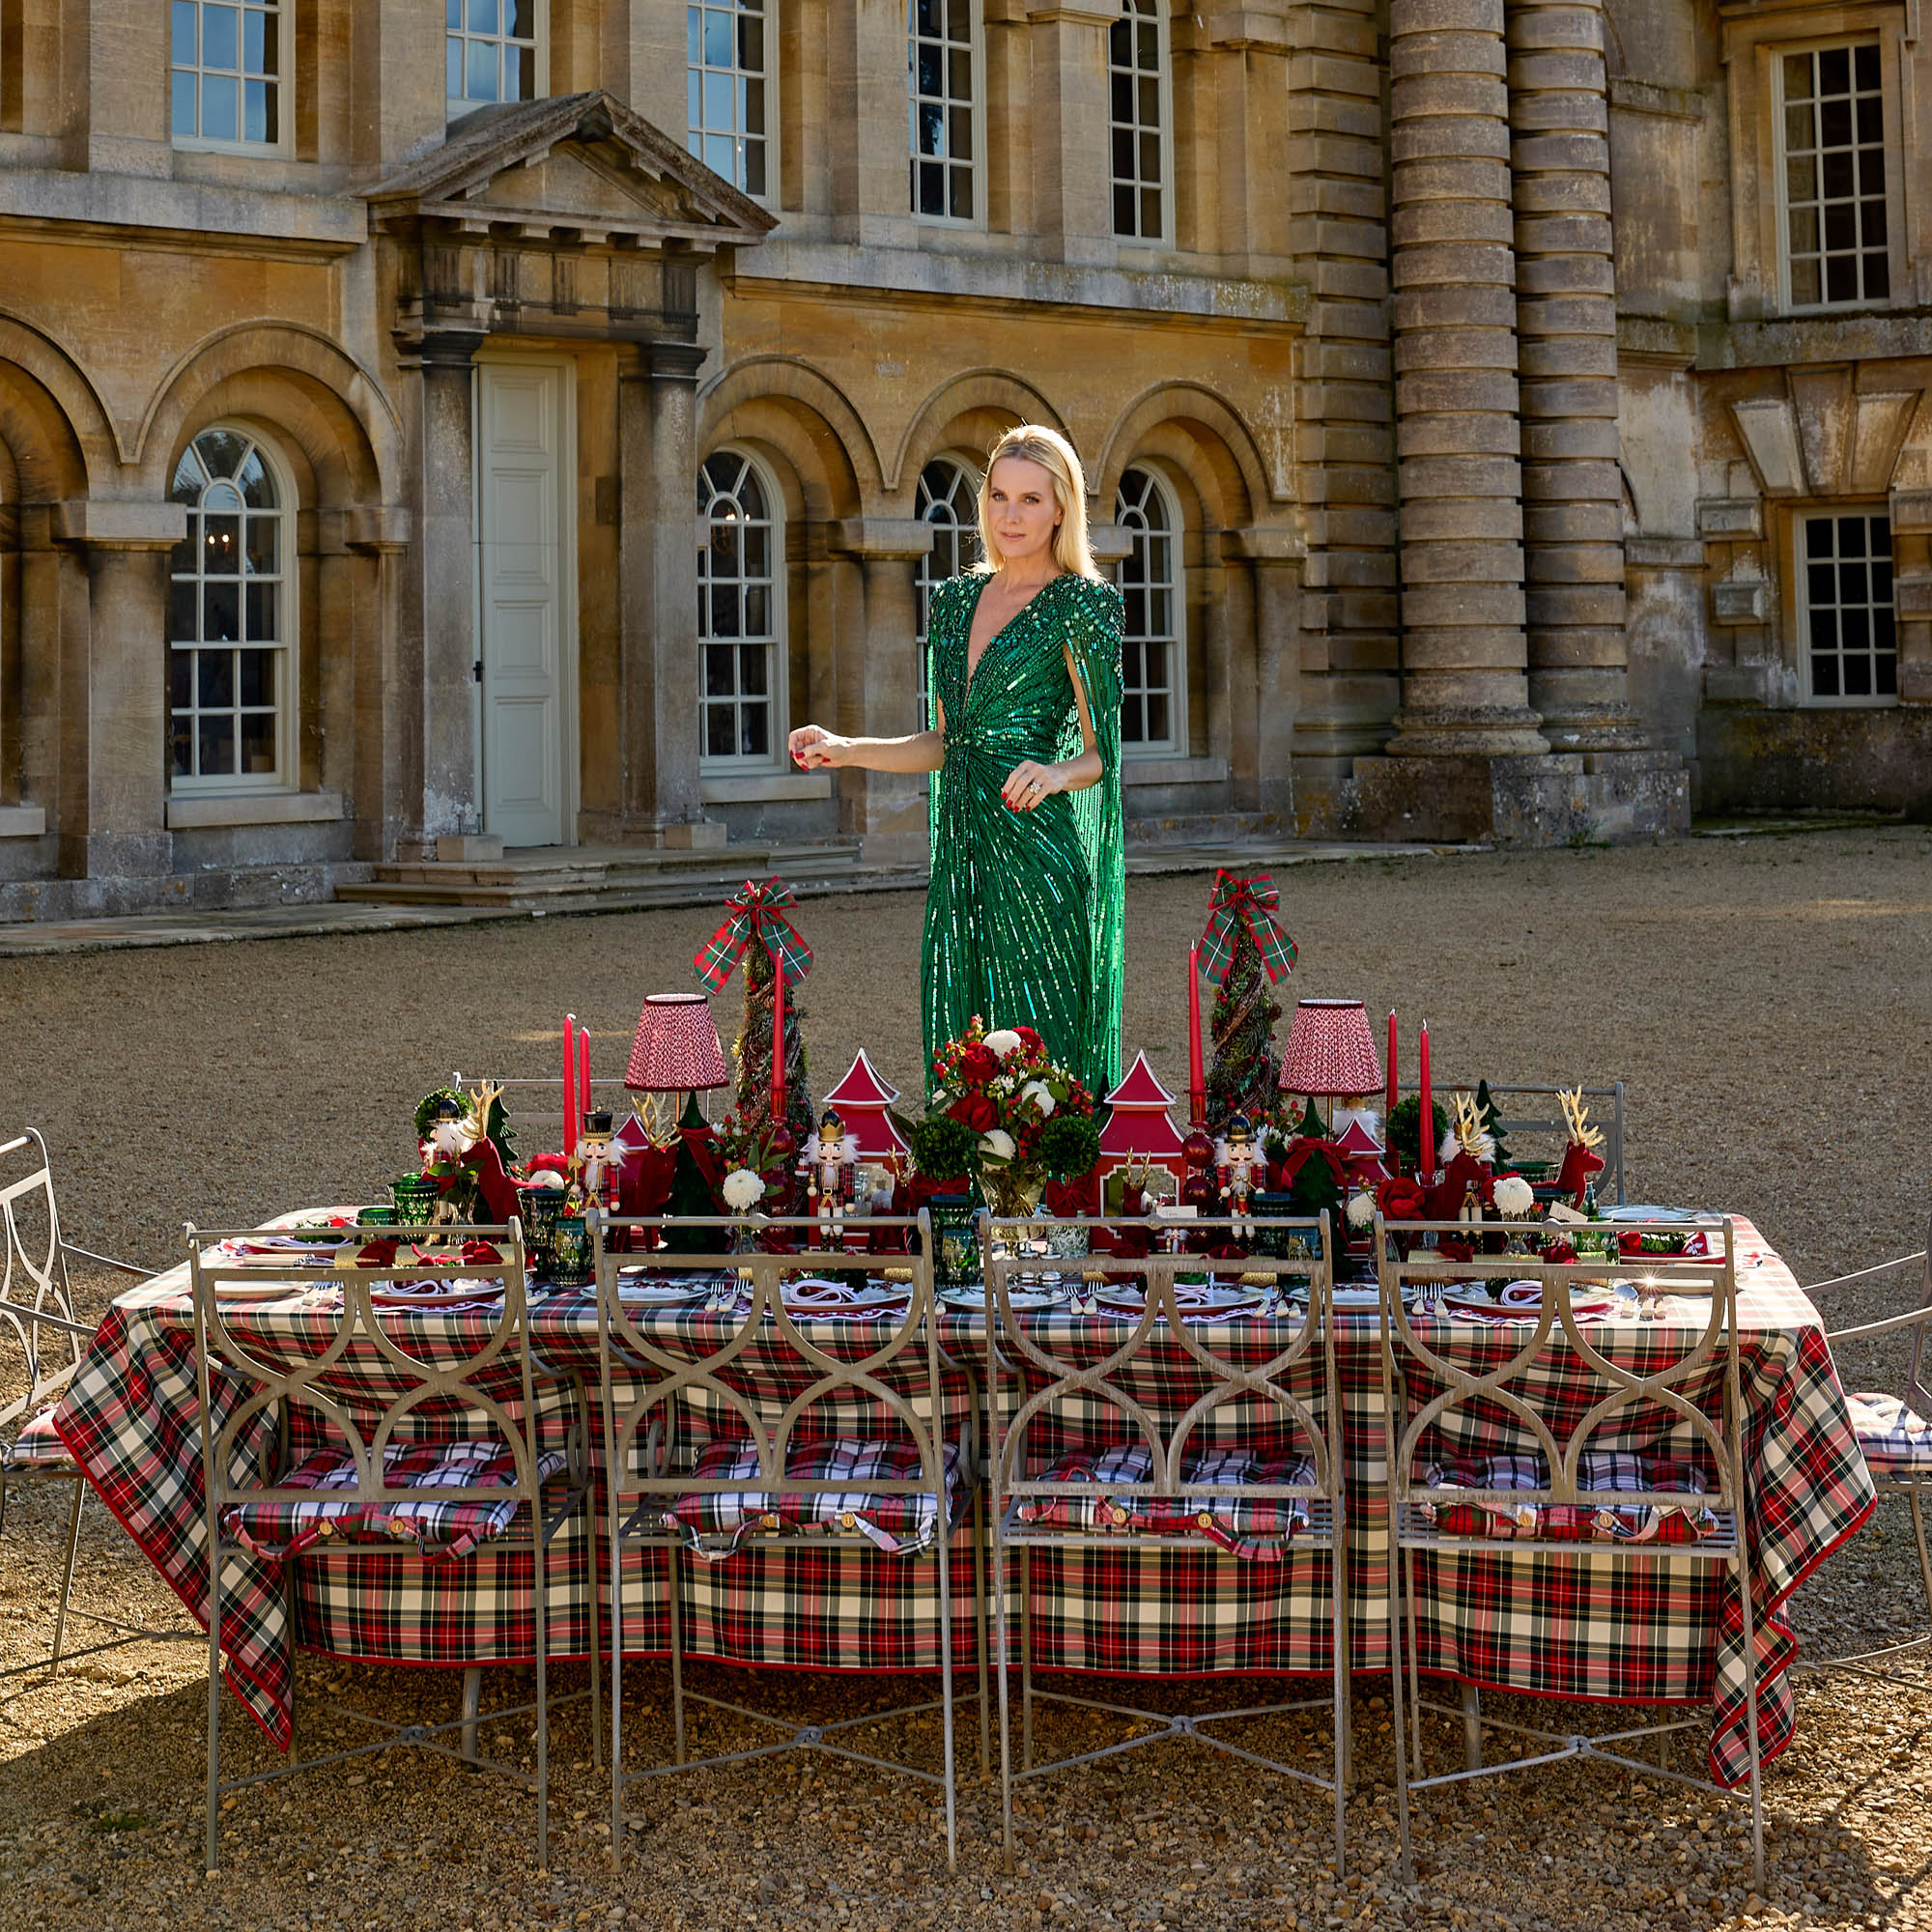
x=1330, y=1050
x=677, y=1048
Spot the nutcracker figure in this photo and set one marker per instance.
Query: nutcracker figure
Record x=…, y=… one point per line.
x=830, y=1172
x=1238, y=1164
x=602, y=1160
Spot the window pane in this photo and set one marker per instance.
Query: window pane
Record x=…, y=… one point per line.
x=220, y=37
x=258, y=743
x=756, y=740
x=180, y=679
x=717, y=100
x=484, y=17
x=751, y=664
x=480, y=79
x=181, y=749
x=1885, y=676
x=254, y=41
x=1824, y=678
x=215, y=680
x=264, y=608
x=184, y=601
x=1798, y=76
x=220, y=110
x=523, y=19
x=218, y=746
x=1867, y=67
x=1834, y=70
x=258, y=677
x=724, y=611
x=719, y=736
x=255, y=122
x=717, y=38
x=1857, y=675
x=221, y=615
x=452, y=79
x=181, y=46
x=1805, y=284
x=221, y=544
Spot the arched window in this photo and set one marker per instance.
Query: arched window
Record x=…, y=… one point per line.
x=231, y=618
x=1138, y=113
x=740, y=615
x=948, y=499
x=1154, y=681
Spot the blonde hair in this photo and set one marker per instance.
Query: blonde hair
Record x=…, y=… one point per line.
x=1032, y=443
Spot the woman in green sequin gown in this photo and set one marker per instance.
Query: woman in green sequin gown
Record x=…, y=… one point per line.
x=1025, y=912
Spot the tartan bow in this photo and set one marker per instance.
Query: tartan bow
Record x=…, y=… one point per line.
x=754, y=913
x=1252, y=902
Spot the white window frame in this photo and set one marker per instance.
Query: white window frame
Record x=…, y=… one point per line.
x=1164, y=133
x=926, y=571
x=454, y=107
x=1802, y=586
x=739, y=765
x=283, y=79
x=1175, y=743
x=286, y=776
x=768, y=78
x=977, y=58
x=1777, y=52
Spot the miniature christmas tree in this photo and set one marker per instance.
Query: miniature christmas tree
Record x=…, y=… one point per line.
x=1313, y=1128
x=1491, y=1117
x=1242, y=1079
x=691, y=1192
x=752, y=1052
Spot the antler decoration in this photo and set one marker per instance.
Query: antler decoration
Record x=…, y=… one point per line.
x=1577, y=1117
x=1468, y=1126
x=487, y=1093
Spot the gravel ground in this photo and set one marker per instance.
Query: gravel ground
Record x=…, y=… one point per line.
x=1767, y=1001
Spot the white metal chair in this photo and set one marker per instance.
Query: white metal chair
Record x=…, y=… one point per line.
x=1640, y=1458
x=37, y=1313
x=743, y=1430
x=1895, y=1436
x=1239, y=1452
x=394, y=1439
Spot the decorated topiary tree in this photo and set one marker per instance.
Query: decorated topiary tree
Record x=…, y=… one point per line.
x=1244, y=951
x=1490, y=1117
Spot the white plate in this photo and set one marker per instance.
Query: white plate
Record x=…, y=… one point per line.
x=1190, y=1297
x=261, y=1291
x=1024, y=1300
x=1357, y=1297
x=664, y=1290
x=836, y=1297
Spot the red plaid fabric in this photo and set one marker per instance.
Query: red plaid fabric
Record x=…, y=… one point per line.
x=444, y=1529
x=716, y=1522
x=1896, y=1440
x=1600, y=1470
x=37, y=1449
x=1254, y=1529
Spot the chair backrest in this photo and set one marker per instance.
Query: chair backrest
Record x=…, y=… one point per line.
x=1918, y=1396
x=36, y=1300
x=367, y=1376
x=1533, y=1123
x=1071, y=1376
x=1552, y=1384
x=757, y=1373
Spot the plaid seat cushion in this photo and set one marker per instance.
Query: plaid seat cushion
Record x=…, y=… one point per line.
x=1896, y=1440
x=1602, y=1471
x=37, y=1450
x=444, y=1530
x=715, y=1522
x=1255, y=1529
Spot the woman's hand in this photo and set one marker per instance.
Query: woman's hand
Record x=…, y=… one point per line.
x=1028, y=783
x=812, y=745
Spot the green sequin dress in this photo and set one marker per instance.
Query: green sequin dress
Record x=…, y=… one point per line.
x=1025, y=914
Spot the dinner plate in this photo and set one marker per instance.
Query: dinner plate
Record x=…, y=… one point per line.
x=1356, y=1297
x=1190, y=1297
x=1024, y=1300
x=261, y=1291
x=836, y=1297
x=664, y=1290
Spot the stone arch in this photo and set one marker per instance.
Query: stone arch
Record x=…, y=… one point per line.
x=62, y=441
x=296, y=380
x=802, y=413
x=1202, y=435
x=965, y=412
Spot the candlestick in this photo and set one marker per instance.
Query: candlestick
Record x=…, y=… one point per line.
x=570, y=1107
x=778, y=1044
x=1426, y=1166
x=1390, y=1107
x=1197, y=1080
x=582, y=1071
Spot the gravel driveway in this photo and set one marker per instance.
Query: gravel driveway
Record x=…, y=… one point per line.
x=1770, y=1005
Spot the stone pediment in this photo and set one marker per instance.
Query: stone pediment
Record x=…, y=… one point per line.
x=580, y=163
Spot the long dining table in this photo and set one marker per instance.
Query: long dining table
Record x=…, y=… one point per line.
x=1611, y=1627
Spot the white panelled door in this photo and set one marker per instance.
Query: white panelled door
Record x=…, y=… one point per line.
x=524, y=610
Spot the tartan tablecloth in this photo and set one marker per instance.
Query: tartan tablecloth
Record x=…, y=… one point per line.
x=1602, y=1626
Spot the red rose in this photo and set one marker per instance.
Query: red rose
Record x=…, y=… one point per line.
x=976, y=1112
x=978, y=1064
x=1028, y=1037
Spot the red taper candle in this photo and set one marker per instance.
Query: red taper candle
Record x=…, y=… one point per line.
x=582, y=1075
x=778, y=1044
x=1390, y=1107
x=1427, y=1164
x=570, y=1108
x=1197, y=1079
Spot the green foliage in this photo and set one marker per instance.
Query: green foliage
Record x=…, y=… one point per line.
x=751, y=1102
x=1404, y=1127
x=942, y=1148
x=1312, y=1126
x=1069, y=1146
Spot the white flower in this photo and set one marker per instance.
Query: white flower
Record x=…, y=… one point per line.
x=998, y=1143
x=1035, y=1091
x=742, y=1189
x=1004, y=1041
x=1361, y=1209
x=1514, y=1196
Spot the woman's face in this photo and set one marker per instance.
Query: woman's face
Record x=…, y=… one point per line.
x=1022, y=509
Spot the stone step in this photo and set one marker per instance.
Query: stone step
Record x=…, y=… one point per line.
x=1205, y=827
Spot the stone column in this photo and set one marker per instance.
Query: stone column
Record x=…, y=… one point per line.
x=378, y=788
x=1567, y=333
x=114, y=728
x=1464, y=685
x=1069, y=129
x=658, y=541
x=445, y=570
x=1263, y=734
x=866, y=50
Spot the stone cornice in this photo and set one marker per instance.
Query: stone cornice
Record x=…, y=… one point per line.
x=193, y=217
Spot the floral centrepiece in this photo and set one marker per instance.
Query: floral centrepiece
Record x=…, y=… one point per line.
x=1004, y=1113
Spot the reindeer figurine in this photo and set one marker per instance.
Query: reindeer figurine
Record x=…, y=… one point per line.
x=1582, y=1162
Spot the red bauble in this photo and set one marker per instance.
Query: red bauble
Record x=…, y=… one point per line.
x=784, y=1142
x=1198, y=1151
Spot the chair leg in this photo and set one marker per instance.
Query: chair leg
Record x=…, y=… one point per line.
x=1918, y=1531
x=1398, y=1716
x=946, y=1692
x=1002, y=1671
x=1339, y=1646
x=3, y=1505
x=471, y=1704
x=1405, y=1587
x=616, y=1686
x=675, y=1593
x=1026, y=1656
x=214, y=1707
x=979, y=1621
x=596, y=1644
x=540, y=1600
x=1472, y=1727
x=67, y=1576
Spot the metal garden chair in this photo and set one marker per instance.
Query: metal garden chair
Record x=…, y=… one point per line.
x=1896, y=1435
x=740, y=1430
x=1563, y=1451
x=331, y=1437
x=1237, y=1448
x=37, y=1313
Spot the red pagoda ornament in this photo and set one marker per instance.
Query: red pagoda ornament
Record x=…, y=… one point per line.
x=860, y=1100
x=1363, y=1153
x=1140, y=1130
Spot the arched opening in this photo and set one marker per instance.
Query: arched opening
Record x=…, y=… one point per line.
x=741, y=615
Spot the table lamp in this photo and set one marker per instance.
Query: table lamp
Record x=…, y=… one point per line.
x=1331, y=1054
x=676, y=1052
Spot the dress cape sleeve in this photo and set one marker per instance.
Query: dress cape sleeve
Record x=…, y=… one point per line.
x=1094, y=625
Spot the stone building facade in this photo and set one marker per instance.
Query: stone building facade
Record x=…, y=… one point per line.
x=1502, y=414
